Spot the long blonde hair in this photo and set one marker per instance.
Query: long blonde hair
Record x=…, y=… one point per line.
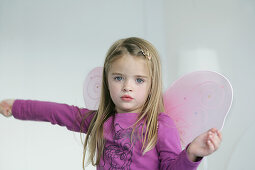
x=94, y=140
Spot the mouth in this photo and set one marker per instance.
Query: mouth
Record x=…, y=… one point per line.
x=126, y=98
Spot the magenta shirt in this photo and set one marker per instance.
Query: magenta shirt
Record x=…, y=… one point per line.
x=119, y=152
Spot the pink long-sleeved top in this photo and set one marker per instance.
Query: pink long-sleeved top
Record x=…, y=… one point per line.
x=120, y=153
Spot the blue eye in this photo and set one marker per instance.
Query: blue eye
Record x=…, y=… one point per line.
x=118, y=78
x=139, y=80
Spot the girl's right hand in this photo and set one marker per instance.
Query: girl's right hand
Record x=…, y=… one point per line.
x=6, y=107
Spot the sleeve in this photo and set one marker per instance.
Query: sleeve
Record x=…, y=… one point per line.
x=171, y=156
x=71, y=117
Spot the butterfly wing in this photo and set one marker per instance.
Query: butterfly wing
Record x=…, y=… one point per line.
x=92, y=88
x=197, y=102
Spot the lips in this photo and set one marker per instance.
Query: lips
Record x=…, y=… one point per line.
x=126, y=98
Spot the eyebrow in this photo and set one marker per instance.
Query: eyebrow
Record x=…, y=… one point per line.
x=135, y=75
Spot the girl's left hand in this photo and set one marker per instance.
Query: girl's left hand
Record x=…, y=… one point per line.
x=204, y=144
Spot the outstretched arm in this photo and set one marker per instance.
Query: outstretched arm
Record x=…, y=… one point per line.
x=56, y=113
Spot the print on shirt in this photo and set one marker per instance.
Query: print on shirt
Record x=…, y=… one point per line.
x=119, y=154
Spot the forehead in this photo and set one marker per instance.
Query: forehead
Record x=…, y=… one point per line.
x=130, y=65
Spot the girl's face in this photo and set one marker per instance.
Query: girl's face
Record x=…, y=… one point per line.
x=129, y=83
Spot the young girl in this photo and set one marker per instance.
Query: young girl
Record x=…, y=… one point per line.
x=129, y=130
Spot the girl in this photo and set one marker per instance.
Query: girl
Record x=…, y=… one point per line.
x=129, y=130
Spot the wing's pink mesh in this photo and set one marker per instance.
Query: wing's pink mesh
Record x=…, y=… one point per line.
x=197, y=102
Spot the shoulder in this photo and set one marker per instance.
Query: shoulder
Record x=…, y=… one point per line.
x=166, y=126
x=165, y=120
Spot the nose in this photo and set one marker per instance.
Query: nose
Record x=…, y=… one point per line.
x=127, y=86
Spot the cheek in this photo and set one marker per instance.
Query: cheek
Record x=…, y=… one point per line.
x=113, y=88
x=142, y=94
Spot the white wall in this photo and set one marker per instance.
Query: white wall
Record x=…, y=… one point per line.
x=48, y=47
x=46, y=50
x=222, y=31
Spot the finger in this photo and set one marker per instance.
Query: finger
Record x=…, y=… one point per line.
x=215, y=140
x=210, y=145
x=216, y=131
x=1, y=108
x=5, y=104
x=7, y=113
x=213, y=130
x=219, y=134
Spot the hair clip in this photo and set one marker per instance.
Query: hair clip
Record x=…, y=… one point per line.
x=146, y=55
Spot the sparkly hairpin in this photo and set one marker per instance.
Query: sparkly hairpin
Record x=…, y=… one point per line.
x=146, y=54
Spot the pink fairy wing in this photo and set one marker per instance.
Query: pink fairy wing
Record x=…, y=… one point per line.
x=92, y=88
x=197, y=102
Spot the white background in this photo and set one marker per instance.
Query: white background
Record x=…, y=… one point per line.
x=48, y=47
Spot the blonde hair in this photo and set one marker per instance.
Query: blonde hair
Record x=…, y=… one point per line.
x=94, y=140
